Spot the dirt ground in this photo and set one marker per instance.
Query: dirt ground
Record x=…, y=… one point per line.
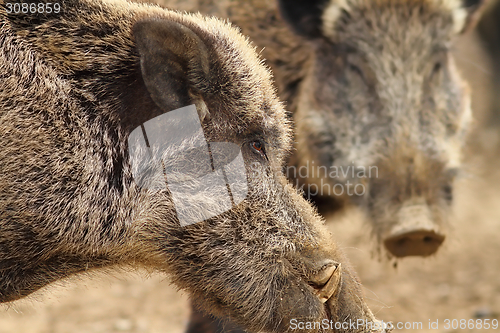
x=461, y=282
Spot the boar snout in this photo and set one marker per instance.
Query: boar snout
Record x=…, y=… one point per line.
x=415, y=234
x=324, y=276
x=336, y=285
x=327, y=282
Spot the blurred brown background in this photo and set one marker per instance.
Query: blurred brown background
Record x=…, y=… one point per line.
x=461, y=282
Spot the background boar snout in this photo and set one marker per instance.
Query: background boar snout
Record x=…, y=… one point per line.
x=414, y=234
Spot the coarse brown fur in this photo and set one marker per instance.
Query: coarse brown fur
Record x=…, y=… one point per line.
x=375, y=96
x=73, y=86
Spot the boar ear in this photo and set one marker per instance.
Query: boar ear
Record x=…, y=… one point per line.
x=173, y=58
x=305, y=16
x=467, y=16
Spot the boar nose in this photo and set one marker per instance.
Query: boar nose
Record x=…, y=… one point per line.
x=326, y=280
x=416, y=242
x=415, y=234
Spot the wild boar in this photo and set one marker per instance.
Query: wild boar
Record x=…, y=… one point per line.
x=89, y=92
x=384, y=103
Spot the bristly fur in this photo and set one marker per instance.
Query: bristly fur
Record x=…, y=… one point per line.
x=72, y=89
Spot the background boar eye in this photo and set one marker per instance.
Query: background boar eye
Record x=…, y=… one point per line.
x=439, y=62
x=360, y=69
x=448, y=192
x=436, y=69
x=357, y=70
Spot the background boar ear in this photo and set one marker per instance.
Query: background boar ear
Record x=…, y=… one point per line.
x=467, y=17
x=173, y=59
x=304, y=15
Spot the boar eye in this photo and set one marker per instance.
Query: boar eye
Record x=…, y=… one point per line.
x=436, y=69
x=258, y=147
x=357, y=70
x=439, y=63
x=448, y=192
x=359, y=67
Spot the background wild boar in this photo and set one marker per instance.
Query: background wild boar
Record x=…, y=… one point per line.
x=384, y=92
x=380, y=110
x=75, y=84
